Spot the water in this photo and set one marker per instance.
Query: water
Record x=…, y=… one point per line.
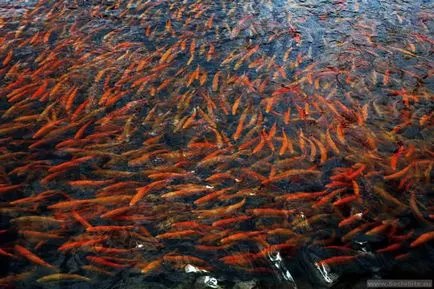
x=215, y=144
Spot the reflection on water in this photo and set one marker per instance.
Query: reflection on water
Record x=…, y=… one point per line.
x=215, y=144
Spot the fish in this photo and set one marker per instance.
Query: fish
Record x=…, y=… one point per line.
x=141, y=192
x=63, y=277
x=32, y=257
x=151, y=266
x=141, y=128
x=424, y=238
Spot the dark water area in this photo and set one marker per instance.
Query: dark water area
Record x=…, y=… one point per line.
x=215, y=144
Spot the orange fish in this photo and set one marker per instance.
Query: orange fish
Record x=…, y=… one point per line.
x=32, y=257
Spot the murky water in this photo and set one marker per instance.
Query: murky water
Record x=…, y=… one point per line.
x=215, y=144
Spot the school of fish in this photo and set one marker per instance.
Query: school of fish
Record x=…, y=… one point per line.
x=148, y=137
